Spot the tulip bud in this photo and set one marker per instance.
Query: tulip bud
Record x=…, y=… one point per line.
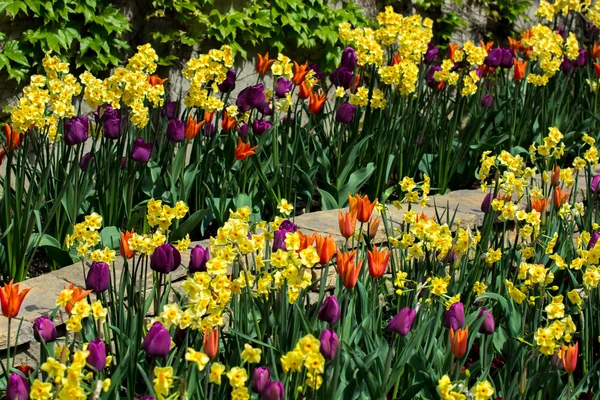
x=17, y=387
x=488, y=325
x=345, y=113
x=555, y=176
x=86, y=160
x=169, y=109
x=211, y=343
x=458, y=342
x=157, y=342
x=523, y=383
x=329, y=343
x=283, y=87
x=593, y=240
x=76, y=130
x=261, y=377
x=403, y=322
x=330, y=310
x=97, y=357
x=176, y=130
x=273, y=391
x=373, y=226
x=260, y=126
x=111, y=123
x=486, y=204
x=556, y=361
x=44, y=329
x=595, y=184
x=199, y=256
x=349, y=58
x=166, y=258
x=455, y=316
x=487, y=101
x=98, y=277
x=229, y=83
x=255, y=96
x=141, y=151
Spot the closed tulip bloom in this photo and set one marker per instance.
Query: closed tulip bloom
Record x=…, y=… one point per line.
x=76, y=130
x=488, y=326
x=199, y=256
x=378, y=261
x=157, y=342
x=593, y=240
x=243, y=130
x=595, y=184
x=111, y=123
x=349, y=58
x=229, y=83
x=283, y=87
x=373, y=226
x=170, y=109
x=486, y=204
x=539, y=205
x=176, y=130
x=125, y=249
x=345, y=113
x=329, y=344
x=458, y=341
x=166, y=258
x=520, y=67
x=192, y=128
x=260, y=126
x=242, y=102
x=342, y=77
x=98, y=277
x=211, y=343
x=300, y=72
x=44, y=329
x=261, y=377
x=274, y=391
x=11, y=299
x=256, y=96
x=86, y=161
x=17, y=387
x=583, y=57
x=487, y=101
x=141, y=151
x=432, y=54
x=555, y=176
x=347, y=222
x=348, y=269
x=454, y=317
x=330, y=310
x=506, y=60
x=560, y=197
x=325, y=247
x=493, y=58
x=364, y=208
x=403, y=322
x=97, y=357
x=569, y=357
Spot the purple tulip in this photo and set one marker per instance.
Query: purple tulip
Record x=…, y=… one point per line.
x=98, y=277
x=209, y=129
x=493, y=58
x=123, y=162
x=595, y=185
x=567, y=66
x=86, y=161
x=506, y=60
x=97, y=357
x=342, y=76
x=199, y=256
x=44, y=329
x=403, y=322
x=317, y=71
x=241, y=102
x=487, y=101
x=583, y=58
x=593, y=240
x=17, y=387
x=329, y=344
x=265, y=109
x=280, y=234
x=157, y=342
x=486, y=204
x=562, y=32
x=431, y=82
x=141, y=151
x=229, y=83
x=450, y=257
x=243, y=130
x=349, y=58
x=432, y=54
x=261, y=377
x=273, y=391
x=176, y=130
x=330, y=310
x=166, y=258
x=454, y=317
x=283, y=87
x=76, y=130
x=260, y=126
x=345, y=113
x=256, y=96
x=170, y=109
x=556, y=362
x=488, y=326
x=111, y=123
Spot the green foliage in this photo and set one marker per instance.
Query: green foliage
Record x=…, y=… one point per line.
x=88, y=33
x=279, y=24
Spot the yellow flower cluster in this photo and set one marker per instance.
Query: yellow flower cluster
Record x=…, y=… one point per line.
x=205, y=73
x=546, y=46
x=62, y=86
x=446, y=74
x=549, y=10
x=163, y=381
x=86, y=235
x=403, y=76
x=365, y=42
x=306, y=354
x=470, y=83
x=283, y=67
x=549, y=338
x=456, y=391
x=475, y=54
x=411, y=34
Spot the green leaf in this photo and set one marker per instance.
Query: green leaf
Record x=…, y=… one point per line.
x=12, y=51
x=13, y=6
x=189, y=224
x=328, y=202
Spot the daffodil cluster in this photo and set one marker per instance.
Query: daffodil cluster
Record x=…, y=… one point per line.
x=85, y=236
x=306, y=355
x=546, y=47
x=459, y=391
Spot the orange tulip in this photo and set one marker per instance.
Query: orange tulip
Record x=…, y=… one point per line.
x=568, y=356
x=365, y=208
x=2, y=154
x=514, y=44
x=243, y=150
x=155, y=80
x=305, y=240
x=11, y=299
x=595, y=51
x=77, y=295
x=228, y=122
x=353, y=202
x=211, y=343
x=397, y=59
x=440, y=85
x=378, y=261
x=458, y=341
x=560, y=197
x=355, y=84
x=452, y=47
x=539, y=205
x=555, y=176
x=316, y=102
x=304, y=92
x=124, y=245
x=487, y=46
x=326, y=248
x=373, y=226
x=347, y=223
x=423, y=217
x=348, y=269
x=486, y=70
x=520, y=67
x=597, y=68
x=300, y=72
x=192, y=128
x=263, y=64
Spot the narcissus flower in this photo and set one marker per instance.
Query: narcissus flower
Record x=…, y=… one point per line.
x=569, y=356
x=243, y=150
x=263, y=64
x=316, y=102
x=458, y=341
x=11, y=299
x=378, y=261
